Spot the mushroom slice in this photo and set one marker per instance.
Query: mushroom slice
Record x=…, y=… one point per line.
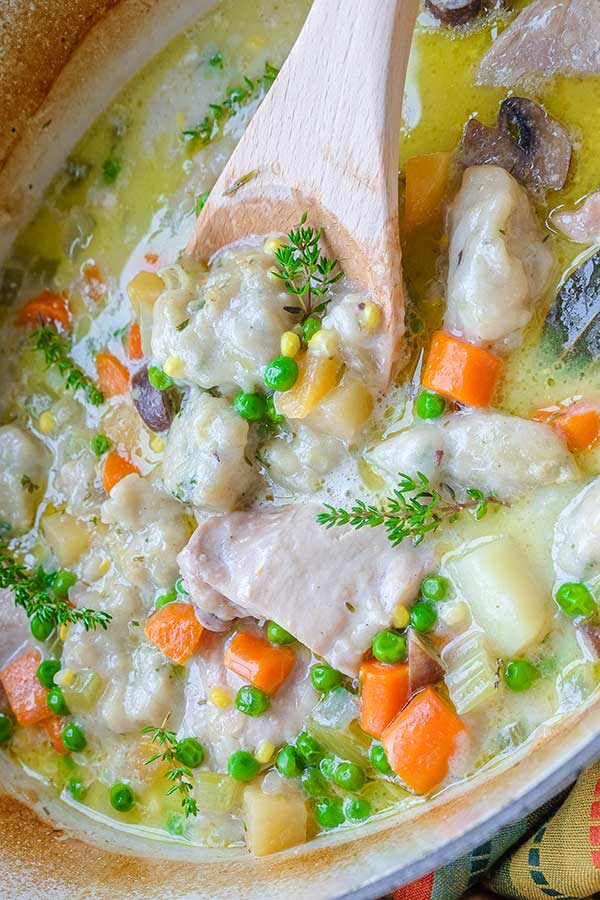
x=156, y=408
x=424, y=667
x=454, y=12
x=527, y=142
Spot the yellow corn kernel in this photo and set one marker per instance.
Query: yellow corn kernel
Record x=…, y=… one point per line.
x=64, y=677
x=103, y=567
x=63, y=631
x=220, y=698
x=290, y=343
x=325, y=342
x=173, y=366
x=400, y=616
x=272, y=244
x=370, y=316
x=46, y=422
x=264, y=752
x=157, y=444
x=144, y=289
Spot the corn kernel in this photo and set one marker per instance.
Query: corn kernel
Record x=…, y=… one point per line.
x=145, y=288
x=46, y=422
x=370, y=316
x=324, y=342
x=455, y=613
x=272, y=244
x=174, y=366
x=64, y=677
x=264, y=752
x=157, y=444
x=103, y=567
x=290, y=343
x=400, y=616
x=63, y=631
x=220, y=698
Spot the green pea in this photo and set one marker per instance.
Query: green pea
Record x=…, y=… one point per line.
x=379, y=760
x=272, y=414
x=7, y=727
x=308, y=748
x=356, y=809
x=312, y=781
x=41, y=627
x=278, y=635
x=180, y=587
x=190, y=753
x=77, y=789
x=243, y=766
x=349, y=776
x=159, y=379
x=281, y=374
x=434, y=587
x=429, y=405
x=122, y=797
x=519, y=674
x=252, y=407
x=423, y=617
x=289, y=762
x=252, y=701
x=57, y=703
x=329, y=813
x=63, y=580
x=389, y=646
x=575, y=599
x=100, y=444
x=310, y=328
x=74, y=738
x=325, y=678
x=168, y=597
x=46, y=672
x=175, y=824
x=327, y=767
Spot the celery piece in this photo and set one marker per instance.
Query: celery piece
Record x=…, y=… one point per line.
x=383, y=795
x=216, y=792
x=470, y=673
x=84, y=693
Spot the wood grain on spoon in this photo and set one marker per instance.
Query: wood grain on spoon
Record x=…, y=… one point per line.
x=325, y=141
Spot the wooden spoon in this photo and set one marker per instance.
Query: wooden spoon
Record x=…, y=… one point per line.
x=325, y=141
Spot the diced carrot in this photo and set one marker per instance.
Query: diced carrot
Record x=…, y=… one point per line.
x=135, y=342
x=151, y=258
x=383, y=693
x=420, y=742
x=426, y=182
x=115, y=468
x=260, y=663
x=461, y=371
x=113, y=377
x=579, y=424
x=54, y=728
x=94, y=282
x=175, y=630
x=26, y=695
x=46, y=307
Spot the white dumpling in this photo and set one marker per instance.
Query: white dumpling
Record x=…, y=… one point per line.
x=24, y=463
x=416, y=449
x=576, y=548
x=300, y=461
x=498, y=264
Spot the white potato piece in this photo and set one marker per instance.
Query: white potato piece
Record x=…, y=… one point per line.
x=506, y=598
x=576, y=547
x=344, y=410
x=69, y=538
x=498, y=265
x=24, y=464
x=204, y=462
x=273, y=821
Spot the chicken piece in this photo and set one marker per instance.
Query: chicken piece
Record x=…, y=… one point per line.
x=549, y=37
x=14, y=627
x=581, y=224
x=498, y=264
x=24, y=464
x=333, y=589
x=576, y=547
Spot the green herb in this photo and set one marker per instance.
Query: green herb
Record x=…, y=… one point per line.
x=305, y=272
x=414, y=510
x=182, y=325
x=216, y=60
x=56, y=353
x=28, y=484
x=181, y=776
x=111, y=170
x=201, y=202
x=240, y=182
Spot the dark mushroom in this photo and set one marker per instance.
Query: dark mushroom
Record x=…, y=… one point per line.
x=156, y=408
x=424, y=667
x=454, y=12
x=527, y=142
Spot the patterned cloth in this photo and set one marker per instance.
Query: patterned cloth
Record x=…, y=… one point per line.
x=553, y=852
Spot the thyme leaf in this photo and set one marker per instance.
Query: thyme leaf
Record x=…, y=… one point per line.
x=181, y=778
x=56, y=353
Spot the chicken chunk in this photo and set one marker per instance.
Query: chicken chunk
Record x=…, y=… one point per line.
x=14, y=626
x=576, y=547
x=498, y=265
x=581, y=224
x=332, y=589
x=24, y=464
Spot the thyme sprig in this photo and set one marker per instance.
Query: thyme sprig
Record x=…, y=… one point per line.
x=181, y=777
x=32, y=590
x=211, y=126
x=306, y=273
x=413, y=511
x=56, y=353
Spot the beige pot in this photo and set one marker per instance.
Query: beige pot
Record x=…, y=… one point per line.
x=62, y=61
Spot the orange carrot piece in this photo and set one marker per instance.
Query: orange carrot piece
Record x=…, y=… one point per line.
x=426, y=182
x=151, y=258
x=461, y=371
x=579, y=424
x=115, y=468
x=113, y=377
x=46, y=307
x=383, y=693
x=95, y=286
x=54, y=728
x=135, y=342
x=260, y=663
x=421, y=740
x=26, y=695
x=175, y=630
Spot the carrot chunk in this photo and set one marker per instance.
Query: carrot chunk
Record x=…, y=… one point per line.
x=94, y=282
x=579, y=424
x=260, y=663
x=54, y=728
x=135, y=342
x=421, y=740
x=175, y=630
x=113, y=377
x=426, y=182
x=383, y=693
x=46, y=307
x=461, y=371
x=27, y=697
x=115, y=468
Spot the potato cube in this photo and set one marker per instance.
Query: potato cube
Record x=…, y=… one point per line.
x=273, y=821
